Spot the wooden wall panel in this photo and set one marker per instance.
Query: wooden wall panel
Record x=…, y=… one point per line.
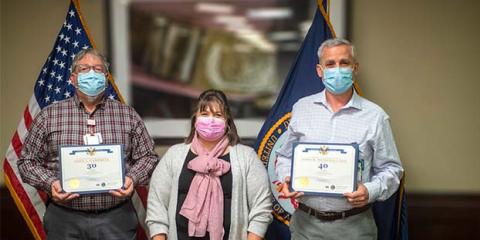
x=430, y=216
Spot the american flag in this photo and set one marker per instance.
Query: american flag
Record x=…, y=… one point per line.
x=53, y=84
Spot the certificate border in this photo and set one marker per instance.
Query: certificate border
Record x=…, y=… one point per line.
x=85, y=146
x=357, y=151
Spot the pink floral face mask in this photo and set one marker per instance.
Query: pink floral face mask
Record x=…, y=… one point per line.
x=210, y=128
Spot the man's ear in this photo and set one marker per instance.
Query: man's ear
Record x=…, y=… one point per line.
x=73, y=79
x=356, y=68
x=319, y=70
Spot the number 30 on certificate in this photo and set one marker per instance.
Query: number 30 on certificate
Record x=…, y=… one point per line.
x=91, y=169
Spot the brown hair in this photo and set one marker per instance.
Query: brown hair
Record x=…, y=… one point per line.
x=205, y=100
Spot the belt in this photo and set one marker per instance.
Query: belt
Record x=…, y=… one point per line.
x=90, y=211
x=332, y=216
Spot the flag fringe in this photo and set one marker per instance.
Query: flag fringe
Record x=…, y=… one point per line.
x=270, y=131
x=401, y=190
x=326, y=16
x=21, y=208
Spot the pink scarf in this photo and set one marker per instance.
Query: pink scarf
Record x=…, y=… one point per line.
x=203, y=206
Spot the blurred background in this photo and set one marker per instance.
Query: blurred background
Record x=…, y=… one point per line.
x=418, y=60
x=179, y=48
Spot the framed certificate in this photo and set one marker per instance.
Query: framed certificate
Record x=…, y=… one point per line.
x=324, y=168
x=92, y=168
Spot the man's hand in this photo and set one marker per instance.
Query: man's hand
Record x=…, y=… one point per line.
x=358, y=198
x=285, y=190
x=58, y=195
x=124, y=192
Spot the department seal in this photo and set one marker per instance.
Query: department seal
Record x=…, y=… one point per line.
x=273, y=139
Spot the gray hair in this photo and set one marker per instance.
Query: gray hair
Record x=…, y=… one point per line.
x=333, y=42
x=90, y=51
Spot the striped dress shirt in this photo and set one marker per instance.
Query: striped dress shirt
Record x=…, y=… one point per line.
x=65, y=123
x=359, y=121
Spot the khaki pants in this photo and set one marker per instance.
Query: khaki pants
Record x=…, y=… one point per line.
x=358, y=227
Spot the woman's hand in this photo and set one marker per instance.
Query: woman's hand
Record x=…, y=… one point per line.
x=253, y=236
x=285, y=190
x=159, y=237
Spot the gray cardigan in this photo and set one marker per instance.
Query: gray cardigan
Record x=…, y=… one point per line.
x=251, y=194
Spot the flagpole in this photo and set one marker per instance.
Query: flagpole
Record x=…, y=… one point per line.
x=77, y=3
x=21, y=208
x=80, y=15
x=326, y=16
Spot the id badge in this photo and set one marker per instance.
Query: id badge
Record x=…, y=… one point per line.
x=94, y=139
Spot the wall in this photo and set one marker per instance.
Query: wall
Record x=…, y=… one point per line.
x=28, y=32
x=419, y=60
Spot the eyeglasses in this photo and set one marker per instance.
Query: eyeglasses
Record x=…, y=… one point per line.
x=83, y=68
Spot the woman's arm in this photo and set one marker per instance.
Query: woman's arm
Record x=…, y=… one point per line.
x=253, y=236
x=258, y=196
x=159, y=237
x=159, y=197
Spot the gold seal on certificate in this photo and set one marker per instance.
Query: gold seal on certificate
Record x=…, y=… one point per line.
x=324, y=169
x=91, y=169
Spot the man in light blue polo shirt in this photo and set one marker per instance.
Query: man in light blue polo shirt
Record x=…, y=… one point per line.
x=339, y=115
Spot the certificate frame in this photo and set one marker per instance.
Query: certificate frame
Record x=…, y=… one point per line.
x=86, y=169
x=337, y=174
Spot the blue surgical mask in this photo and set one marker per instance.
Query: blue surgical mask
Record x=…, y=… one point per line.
x=337, y=80
x=91, y=83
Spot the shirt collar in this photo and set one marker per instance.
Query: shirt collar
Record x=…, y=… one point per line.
x=100, y=105
x=354, y=102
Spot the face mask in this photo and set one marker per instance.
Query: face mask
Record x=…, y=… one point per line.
x=337, y=80
x=91, y=83
x=210, y=128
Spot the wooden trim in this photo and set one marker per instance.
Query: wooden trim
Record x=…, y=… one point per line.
x=443, y=216
x=431, y=216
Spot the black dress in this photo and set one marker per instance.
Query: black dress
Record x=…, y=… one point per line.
x=185, y=179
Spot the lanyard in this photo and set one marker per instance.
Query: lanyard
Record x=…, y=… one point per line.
x=91, y=126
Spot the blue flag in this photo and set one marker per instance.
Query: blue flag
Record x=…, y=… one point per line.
x=302, y=80
x=391, y=216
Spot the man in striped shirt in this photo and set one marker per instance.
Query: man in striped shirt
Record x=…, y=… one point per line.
x=87, y=118
x=337, y=115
